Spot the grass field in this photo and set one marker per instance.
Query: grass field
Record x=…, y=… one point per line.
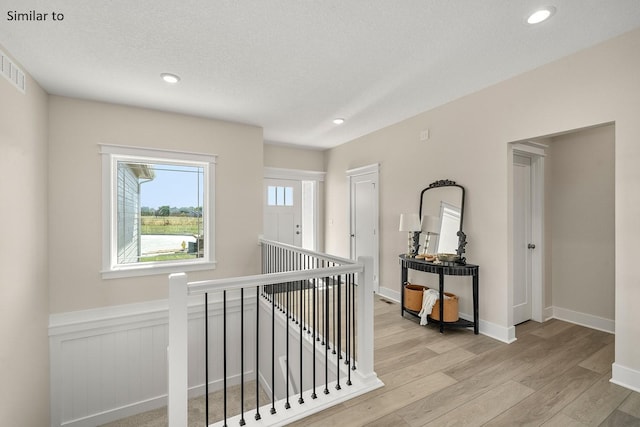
x=168, y=257
x=171, y=225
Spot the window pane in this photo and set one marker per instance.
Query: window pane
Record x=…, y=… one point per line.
x=271, y=195
x=288, y=196
x=279, y=196
x=160, y=208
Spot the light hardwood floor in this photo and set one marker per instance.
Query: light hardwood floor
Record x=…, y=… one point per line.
x=555, y=374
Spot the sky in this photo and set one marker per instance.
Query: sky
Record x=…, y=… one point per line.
x=175, y=186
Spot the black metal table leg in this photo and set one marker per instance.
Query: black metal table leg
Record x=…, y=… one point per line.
x=476, y=320
x=441, y=285
x=403, y=279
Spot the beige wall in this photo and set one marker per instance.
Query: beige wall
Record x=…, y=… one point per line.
x=75, y=209
x=24, y=293
x=288, y=157
x=470, y=144
x=581, y=198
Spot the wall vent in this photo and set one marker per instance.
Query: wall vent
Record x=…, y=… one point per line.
x=12, y=73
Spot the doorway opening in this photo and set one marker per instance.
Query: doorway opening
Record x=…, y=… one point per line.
x=528, y=232
x=572, y=214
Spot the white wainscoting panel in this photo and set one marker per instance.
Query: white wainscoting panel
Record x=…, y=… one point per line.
x=111, y=362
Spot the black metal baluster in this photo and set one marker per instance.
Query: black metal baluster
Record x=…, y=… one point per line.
x=301, y=400
x=273, y=350
x=283, y=290
x=302, y=286
x=307, y=324
x=242, y=357
x=314, y=317
x=279, y=269
x=257, y=416
x=317, y=312
x=347, y=314
x=321, y=319
x=287, y=262
x=286, y=404
x=353, y=319
x=296, y=309
x=333, y=315
x=338, y=344
x=349, y=279
x=224, y=350
x=305, y=290
x=326, y=333
x=206, y=357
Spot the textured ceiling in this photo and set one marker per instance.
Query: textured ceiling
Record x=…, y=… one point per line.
x=291, y=66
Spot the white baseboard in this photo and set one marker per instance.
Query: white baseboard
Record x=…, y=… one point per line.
x=497, y=332
x=389, y=294
x=625, y=377
x=584, y=319
x=117, y=413
x=547, y=314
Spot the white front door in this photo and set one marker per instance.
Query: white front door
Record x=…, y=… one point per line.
x=522, y=250
x=364, y=217
x=283, y=211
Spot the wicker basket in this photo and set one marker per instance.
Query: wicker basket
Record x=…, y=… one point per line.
x=413, y=296
x=450, y=313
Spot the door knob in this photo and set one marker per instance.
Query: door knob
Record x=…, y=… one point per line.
x=353, y=235
x=531, y=246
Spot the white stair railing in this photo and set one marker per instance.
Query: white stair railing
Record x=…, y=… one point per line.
x=302, y=267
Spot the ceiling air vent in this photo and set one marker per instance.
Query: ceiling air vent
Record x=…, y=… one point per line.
x=12, y=73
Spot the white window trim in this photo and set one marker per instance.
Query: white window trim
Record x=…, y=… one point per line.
x=111, y=271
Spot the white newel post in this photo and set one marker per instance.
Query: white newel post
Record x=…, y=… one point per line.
x=177, y=351
x=365, y=317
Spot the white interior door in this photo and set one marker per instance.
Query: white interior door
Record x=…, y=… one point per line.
x=283, y=211
x=364, y=218
x=522, y=244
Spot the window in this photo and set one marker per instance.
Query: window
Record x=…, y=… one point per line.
x=279, y=196
x=158, y=211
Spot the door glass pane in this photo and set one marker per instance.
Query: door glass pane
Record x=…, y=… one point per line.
x=288, y=196
x=279, y=196
x=271, y=195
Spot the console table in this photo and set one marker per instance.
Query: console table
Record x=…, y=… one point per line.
x=441, y=270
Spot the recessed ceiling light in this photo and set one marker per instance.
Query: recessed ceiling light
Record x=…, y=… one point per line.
x=541, y=15
x=170, y=78
x=338, y=121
